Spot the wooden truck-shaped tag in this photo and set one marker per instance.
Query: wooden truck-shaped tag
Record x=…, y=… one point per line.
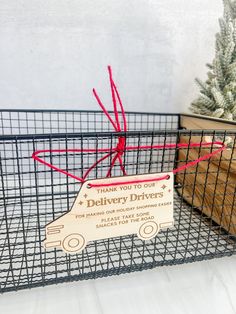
x=99, y=213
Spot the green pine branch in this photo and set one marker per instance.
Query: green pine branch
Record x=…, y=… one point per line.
x=218, y=94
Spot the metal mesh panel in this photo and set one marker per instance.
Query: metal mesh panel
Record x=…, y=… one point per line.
x=42, y=121
x=33, y=195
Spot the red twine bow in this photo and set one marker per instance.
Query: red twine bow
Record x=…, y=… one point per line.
x=118, y=151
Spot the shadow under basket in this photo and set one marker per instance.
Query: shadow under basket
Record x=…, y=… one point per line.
x=32, y=195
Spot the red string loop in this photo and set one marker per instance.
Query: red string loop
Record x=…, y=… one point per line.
x=121, y=147
x=129, y=148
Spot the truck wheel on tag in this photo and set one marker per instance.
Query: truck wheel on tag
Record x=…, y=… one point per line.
x=73, y=243
x=148, y=230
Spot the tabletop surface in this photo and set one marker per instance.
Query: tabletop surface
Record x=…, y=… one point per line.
x=201, y=287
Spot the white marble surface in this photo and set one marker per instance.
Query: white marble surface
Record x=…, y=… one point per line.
x=198, y=288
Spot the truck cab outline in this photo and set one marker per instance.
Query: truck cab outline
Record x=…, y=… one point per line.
x=74, y=229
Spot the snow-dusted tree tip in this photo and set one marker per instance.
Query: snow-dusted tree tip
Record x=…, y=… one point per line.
x=218, y=94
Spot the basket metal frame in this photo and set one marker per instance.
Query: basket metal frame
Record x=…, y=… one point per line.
x=32, y=195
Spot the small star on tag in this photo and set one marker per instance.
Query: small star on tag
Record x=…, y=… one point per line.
x=163, y=186
x=80, y=203
x=85, y=195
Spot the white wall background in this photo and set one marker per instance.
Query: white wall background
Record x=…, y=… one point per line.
x=53, y=52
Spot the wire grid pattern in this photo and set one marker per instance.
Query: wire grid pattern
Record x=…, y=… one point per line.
x=34, y=195
x=53, y=121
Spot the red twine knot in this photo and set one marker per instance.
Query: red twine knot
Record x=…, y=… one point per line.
x=121, y=145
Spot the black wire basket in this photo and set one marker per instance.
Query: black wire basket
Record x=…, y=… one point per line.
x=33, y=195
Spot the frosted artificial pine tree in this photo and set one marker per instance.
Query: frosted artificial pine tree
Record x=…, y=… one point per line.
x=218, y=94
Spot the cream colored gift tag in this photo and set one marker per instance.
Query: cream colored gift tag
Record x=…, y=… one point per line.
x=99, y=213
